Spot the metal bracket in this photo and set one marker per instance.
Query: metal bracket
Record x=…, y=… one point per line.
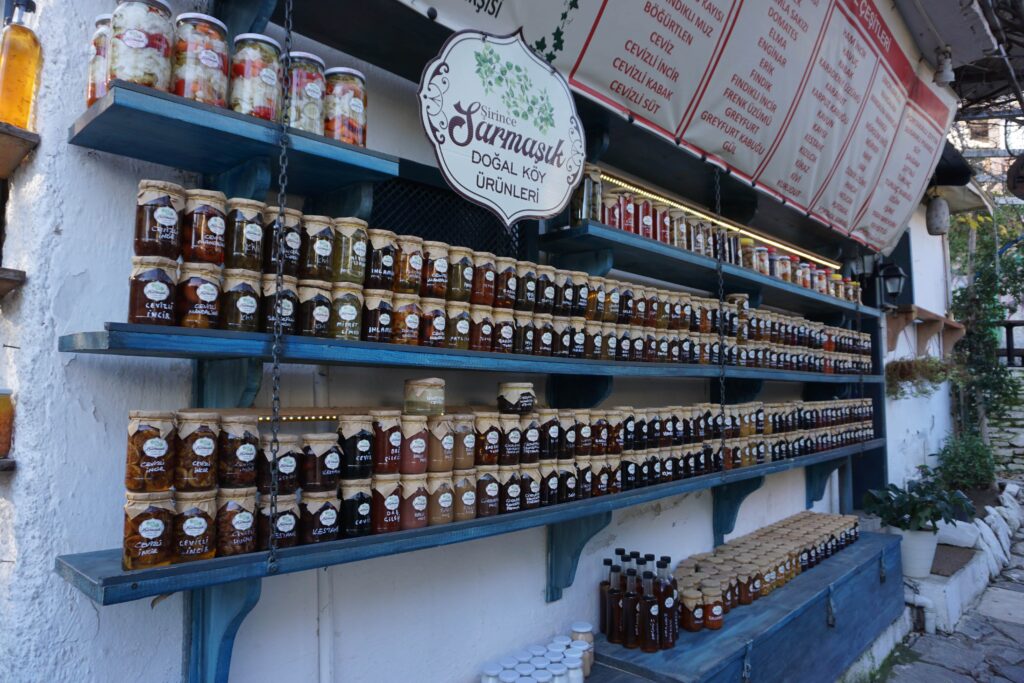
x=726, y=500
x=830, y=608
x=250, y=179
x=212, y=618
x=228, y=383
x=566, y=541
x=748, y=667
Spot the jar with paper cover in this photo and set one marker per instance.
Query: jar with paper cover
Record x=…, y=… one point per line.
x=319, y=520
x=152, y=437
x=289, y=454
x=348, y=257
x=148, y=530
x=195, y=533
x=236, y=521
x=196, y=458
x=284, y=526
x=237, y=447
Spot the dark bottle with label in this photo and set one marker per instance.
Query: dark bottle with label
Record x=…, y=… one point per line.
x=613, y=618
x=666, y=594
x=602, y=605
x=649, y=615
x=631, y=612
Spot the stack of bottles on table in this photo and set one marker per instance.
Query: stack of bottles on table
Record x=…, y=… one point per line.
x=191, y=57
x=646, y=215
x=193, y=477
x=342, y=280
x=641, y=609
x=565, y=659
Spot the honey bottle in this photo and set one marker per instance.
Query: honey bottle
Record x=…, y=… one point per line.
x=602, y=602
x=20, y=59
x=650, y=642
x=665, y=592
x=614, y=606
x=631, y=612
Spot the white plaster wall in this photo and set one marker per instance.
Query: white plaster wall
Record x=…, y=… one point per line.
x=70, y=220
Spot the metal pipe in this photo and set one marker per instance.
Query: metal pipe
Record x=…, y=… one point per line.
x=918, y=600
x=1009, y=114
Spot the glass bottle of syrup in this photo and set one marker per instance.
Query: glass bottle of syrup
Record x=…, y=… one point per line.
x=665, y=593
x=614, y=617
x=20, y=58
x=650, y=642
x=631, y=612
x=602, y=606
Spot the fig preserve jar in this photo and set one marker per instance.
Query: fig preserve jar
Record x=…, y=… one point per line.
x=236, y=521
x=237, y=447
x=196, y=456
x=148, y=530
x=151, y=445
x=152, y=290
x=194, y=528
x=240, y=301
x=159, y=207
x=198, y=296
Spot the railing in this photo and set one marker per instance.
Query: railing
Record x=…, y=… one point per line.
x=1014, y=357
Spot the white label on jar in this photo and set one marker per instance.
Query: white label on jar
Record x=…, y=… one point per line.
x=757, y=584
x=469, y=498
x=203, y=446
x=416, y=261
x=598, y=342
x=328, y=517
x=332, y=460
x=384, y=319
x=448, y=442
x=286, y=464
x=216, y=225
x=287, y=308
x=579, y=338
x=506, y=332
x=570, y=435
x=585, y=431
x=583, y=293
x=511, y=283
x=641, y=305
x=668, y=466
x=155, y=447
x=134, y=38
x=486, y=329
x=363, y=509
x=462, y=326
x=412, y=321
x=492, y=437
x=615, y=297
x=156, y=291
x=669, y=602
x=638, y=344
x=209, y=58
x=417, y=446
x=469, y=441
x=322, y=314
x=359, y=248
x=323, y=247
x=514, y=490
x=445, y=500
x=565, y=340
x=246, y=304
x=391, y=502
x=489, y=275
x=647, y=221
x=242, y=521
x=347, y=313
x=530, y=285
x=363, y=445
x=663, y=346
x=268, y=75
x=467, y=273
x=194, y=526
x=529, y=336
x=716, y=610
x=246, y=452
x=613, y=343
x=491, y=489
x=313, y=90
x=293, y=241
x=632, y=468
x=514, y=436
x=604, y=479
x=570, y=482
x=553, y=484
x=440, y=323
x=553, y=431
x=441, y=265
x=533, y=435
x=549, y=292
x=546, y=338
x=165, y=215
x=586, y=476
x=395, y=439
x=207, y=292
x=151, y=528
x=654, y=610
x=285, y=523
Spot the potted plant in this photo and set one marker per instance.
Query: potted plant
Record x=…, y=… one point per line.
x=913, y=512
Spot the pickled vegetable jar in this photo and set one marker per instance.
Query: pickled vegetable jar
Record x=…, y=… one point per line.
x=140, y=43
x=460, y=278
x=99, y=61
x=306, y=92
x=201, y=59
x=350, y=246
x=345, y=106
x=292, y=233
x=202, y=238
x=243, y=241
x=317, y=245
x=240, y=300
x=255, y=70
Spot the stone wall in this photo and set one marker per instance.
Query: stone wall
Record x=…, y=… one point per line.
x=1006, y=436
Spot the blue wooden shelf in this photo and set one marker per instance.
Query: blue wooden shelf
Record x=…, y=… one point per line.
x=788, y=635
x=654, y=259
x=98, y=574
x=142, y=123
x=177, y=342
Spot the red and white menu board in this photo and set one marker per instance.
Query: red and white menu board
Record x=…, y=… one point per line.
x=816, y=102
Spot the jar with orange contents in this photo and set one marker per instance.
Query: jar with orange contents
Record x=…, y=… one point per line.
x=405, y=323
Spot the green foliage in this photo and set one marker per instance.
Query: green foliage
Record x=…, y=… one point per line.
x=917, y=376
x=517, y=86
x=966, y=462
x=558, y=35
x=920, y=505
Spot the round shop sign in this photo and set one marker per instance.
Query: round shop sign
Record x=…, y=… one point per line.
x=503, y=125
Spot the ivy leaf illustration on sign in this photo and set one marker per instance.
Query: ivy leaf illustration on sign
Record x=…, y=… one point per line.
x=518, y=96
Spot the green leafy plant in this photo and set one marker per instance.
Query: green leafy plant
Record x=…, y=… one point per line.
x=916, y=376
x=517, y=89
x=920, y=505
x=966, y=462
x=558, y=35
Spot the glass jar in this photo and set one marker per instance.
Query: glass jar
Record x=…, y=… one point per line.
x=611, y=209
x=237, y=445
x=356, y=498
x=159, y=207
x=196, y=451
x=440, y=444
x=348, y=257
x=148, y=530
x=306, y=92
x=464, y=430
x=243, y=239
x=503, y=339
x=236, y=521
x=543, y=334
x=440, y=499
x=506, y=283
x=201, y=57
x=203, y=227
x=345, y=106
x=289, y=453
x=630, y=220
x=314, y=308
x=320, y=465
x=151, y=447
x=747, y=257
x=414, y=502
x=435, y=270
x=546, y=290
x=413, y=449
x=524, y=333
x=284, y=525
x=405, y=324
x=197, y=303
x=152, y=290
x=510, y=446
x=464, y=485
x=481, y=329
x=356, y=436
x=99, y=61
x=488, y=491
x=484, y=276
x=289, y=304
x=316, y=248
x=292, y=231
x=408, y=265
x=460, y=277
x=595, y=300
x=255, y=73
x=380, y=268
x=526, y=289
x=319, y=518
x=376, y=316
x=387, y=441
x=424, y=396
x=346, y=311
x=612, y=298
x=457, y=326
x=194, y=529
x=433, y=322
x=140, y=45
x=509, y=490
x=487, y=429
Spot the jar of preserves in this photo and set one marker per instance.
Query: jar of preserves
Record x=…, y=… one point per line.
x=481, y=329
x=510, y=491
x=610, y=306
x=348, y=257
x=99, y=61
x=662, y=223
x=356, y=499
x=148, y=530
x=441, y=499
x=484, y=276
x=578, y=333
x=522, y=343
x=284, y=525
x=563, y=333
x=255, y=73
x=593, y=341
x=747, y=256
x=457, y=326
x=433, y=322
x=435, y=270
x=487, y=427
x=346, y=311
x=306, y=92
x=345, y=106
x=316, y=248
x=289, y=306
x=526, y=287
x=198, y=296
x=319, y=518
x=488, y=491
x=581, y=291
x=611, y=209
x=194, y=530
x=464, y=489
x=140, y=43
x=424, y=396
x=677, y=231
x=236, y=521
x=201, y=56
x=151, y=449
x=203, y=227
x=408, y=265
x=289, y=453
x=547, y=290
x=506, y=283
x=159, y=207
x=440, y=444
x=355, y=434
x=415, y=501
x=464, y=454
x=380, y=269
x=543, y=334
x=595, y=299
x=377, y=314
x=511, y=441
x=320, y=465
x=237, y=445
x=291, y=230
x=405, y=322
x=243, y=239
x=503, y=339
x=460, y=277
x=196, y=454
x=548, y=483
x=387, y=441
x=516, y=398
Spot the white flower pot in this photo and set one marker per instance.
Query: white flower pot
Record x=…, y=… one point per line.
x=917, y=551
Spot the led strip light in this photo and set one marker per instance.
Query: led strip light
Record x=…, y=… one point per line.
x=719, y=221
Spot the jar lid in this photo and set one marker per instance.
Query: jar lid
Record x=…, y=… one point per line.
x=385, y=477
x=103, y=19
x=273, y=211
x=244, y=202
x=545, y=269
x=455, y=248
x=257, y=36
x=345, y=70
x=414, y=419
x=543, y=317
x=692, y=594
x=198, y=416
x=414, y=478
x=186, y=16
x=206, y=194
x=319, y=495
x=161, y=185
x=493, y=414
x=209, y=271
x=133, y=414
x=526, y=264
x=404, y=298
x=289, y=280
x=307, y=55
x=247, y=419
x=385, y=413
x=154, y=262
x=241, y=274
x=315, y=284
x=505, y=260
x=355, y=483
x=282, y=439
x=426, y=382
x=286, y=500
x=486, y=469
x=320, y=437
x=196, y=495
x=244, y=492
x=326, y=220
x=157, y=497
x=380, y=232
x=429, y=301
x=434, y=244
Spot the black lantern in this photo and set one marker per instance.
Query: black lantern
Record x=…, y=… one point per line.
x=893, y=279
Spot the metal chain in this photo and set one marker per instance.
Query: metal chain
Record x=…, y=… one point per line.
x=719, y=253
x=279, y=243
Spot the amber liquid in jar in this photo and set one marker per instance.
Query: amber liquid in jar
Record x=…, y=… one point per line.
x=204, y=226
x=484, y=276
x=158, y=214
x=151, y=450
x=148, y=530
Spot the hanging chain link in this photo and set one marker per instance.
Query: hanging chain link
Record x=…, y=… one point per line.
x=279, y=244
x=719, y=255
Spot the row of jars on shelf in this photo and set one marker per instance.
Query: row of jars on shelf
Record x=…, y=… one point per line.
x=191, y=58
x=642, y=214
x=165, y=527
